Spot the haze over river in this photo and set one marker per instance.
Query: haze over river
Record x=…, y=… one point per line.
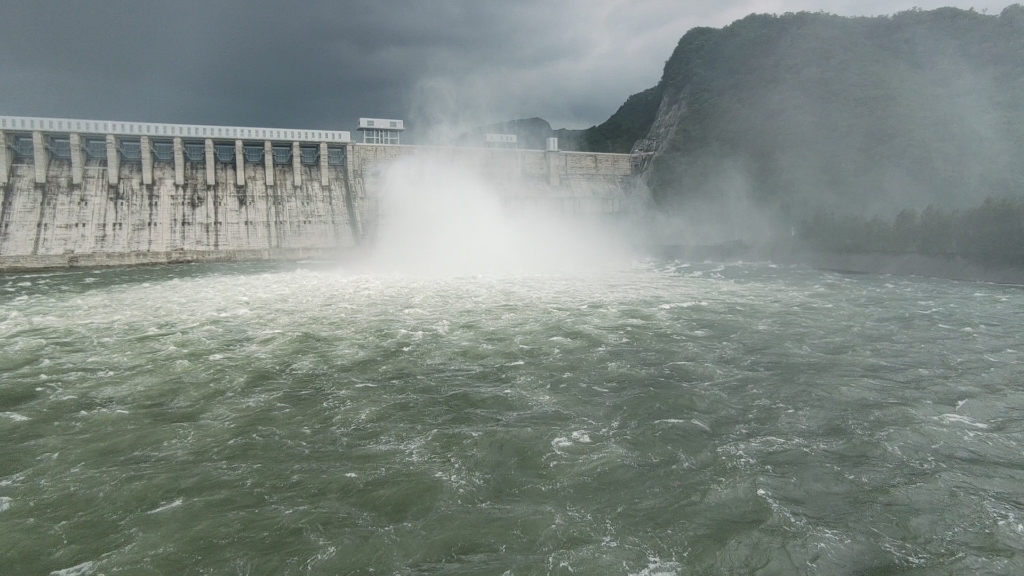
x=659, y=418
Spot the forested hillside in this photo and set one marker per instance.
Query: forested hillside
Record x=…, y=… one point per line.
x=820, y=112
x=629, y=123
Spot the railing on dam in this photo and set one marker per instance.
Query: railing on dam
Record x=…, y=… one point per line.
x=118, y=128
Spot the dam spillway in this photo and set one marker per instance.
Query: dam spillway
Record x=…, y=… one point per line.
x=105, y=193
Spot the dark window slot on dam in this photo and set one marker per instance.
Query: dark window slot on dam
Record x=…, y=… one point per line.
x=130, y=151
x=225, y=153
x=163, y=151
x=253, y=154
x=96, y=149
x=335, y=156
x=195, y=152
x=282, y=154
x=60, y=147
x=309, y=155
x=23, y=147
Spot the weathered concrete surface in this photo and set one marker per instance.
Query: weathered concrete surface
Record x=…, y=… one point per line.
x=78, y=159
x=98, y=224
x=42, y=157
x=6, y=158
x=113, y=161
x=240, y=163
x=147, y=161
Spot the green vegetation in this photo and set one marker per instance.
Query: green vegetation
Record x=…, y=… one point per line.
x=992, y=233
x=855, y=114
x=817, y=111
x=617, y=134
x=629, y=123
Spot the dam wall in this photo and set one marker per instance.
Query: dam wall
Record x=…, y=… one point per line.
x=92, y=193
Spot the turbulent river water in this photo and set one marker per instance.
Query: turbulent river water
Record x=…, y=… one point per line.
x=657, y=419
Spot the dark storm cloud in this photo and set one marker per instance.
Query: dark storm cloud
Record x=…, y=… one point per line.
x=324, y=64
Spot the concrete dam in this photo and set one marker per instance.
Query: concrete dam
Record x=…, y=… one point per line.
x=104, y=193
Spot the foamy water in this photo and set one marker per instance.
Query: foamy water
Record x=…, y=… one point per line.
x=659, y=418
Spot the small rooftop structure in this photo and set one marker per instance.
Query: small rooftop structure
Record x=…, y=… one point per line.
x=509, y=141
x=381, y=130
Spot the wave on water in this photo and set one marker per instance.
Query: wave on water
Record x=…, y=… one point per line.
x=637, y=420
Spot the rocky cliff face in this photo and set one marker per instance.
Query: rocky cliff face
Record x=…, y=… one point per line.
x=857, y=114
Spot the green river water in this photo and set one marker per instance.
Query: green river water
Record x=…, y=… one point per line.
x=656, y=419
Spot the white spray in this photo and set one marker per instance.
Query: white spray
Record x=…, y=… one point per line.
x=441, y=217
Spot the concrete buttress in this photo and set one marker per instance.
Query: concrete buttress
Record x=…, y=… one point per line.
x=211, y=174
x=179, y=162
x=113, y=161
x=325, y=177
x=40, y=157
x=77, y=158
x=297, y=164
x=553, y=168
x=268, y=162
x=239, y=163
x=6, y=157
x=147, y=161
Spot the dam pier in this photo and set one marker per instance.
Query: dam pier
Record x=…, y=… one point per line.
x=106, y=193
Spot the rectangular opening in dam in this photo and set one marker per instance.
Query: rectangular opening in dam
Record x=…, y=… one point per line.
x=253, y=153
x=163, y=151
x=130, y=150
x=22, y=146
x=195, y=151
x=335, y=156
x=310, y=155
x=96, y=149
x=282, y=155
x=225, y=153
x=59, y=147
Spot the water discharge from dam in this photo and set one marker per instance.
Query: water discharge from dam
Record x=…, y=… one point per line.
x=442, y=217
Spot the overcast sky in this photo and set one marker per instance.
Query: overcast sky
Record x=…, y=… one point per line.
x=323, y=64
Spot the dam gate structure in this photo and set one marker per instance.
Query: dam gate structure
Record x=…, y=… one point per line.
x=104, y=193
